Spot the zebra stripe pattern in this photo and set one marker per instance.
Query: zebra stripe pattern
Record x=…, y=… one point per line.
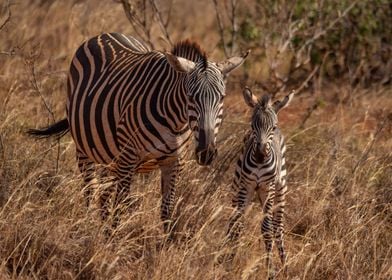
x=261, y=169
x=132, y=109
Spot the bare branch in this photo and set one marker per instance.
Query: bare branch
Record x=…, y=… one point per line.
x=9, y=53
x=139, y=26
x=309, y=112
x=370, y=145
x=300, y=58
x=230, y=9
x=8, y=18
x=315, y=104
x=141, y=19
x=332, y=24
x=221, y=28
x=146, y=24
x=30, y=63
x=16, y=50
x=234, y=27
x=160, y=22
x=169, y=12
x=292, y=29
x=306, y=81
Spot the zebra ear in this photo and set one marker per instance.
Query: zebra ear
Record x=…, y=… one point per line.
x=180, y=64
x=230, y=64
x=278, y=105
x=249, y=98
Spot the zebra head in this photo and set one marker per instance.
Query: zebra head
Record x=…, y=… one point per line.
x=205, y=90
x=264, y=121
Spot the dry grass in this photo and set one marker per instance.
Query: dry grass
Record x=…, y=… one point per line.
x=339, y=215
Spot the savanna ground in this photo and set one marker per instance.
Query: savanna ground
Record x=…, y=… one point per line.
x=338, y=130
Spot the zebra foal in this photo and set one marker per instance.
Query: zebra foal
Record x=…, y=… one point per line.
x=132, y=110
x=261, y=169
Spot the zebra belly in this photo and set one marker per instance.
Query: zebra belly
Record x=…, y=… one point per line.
x=98, y=145
x=152, y=155
x=154, y=164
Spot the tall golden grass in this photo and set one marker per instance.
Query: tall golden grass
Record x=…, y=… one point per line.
x=339, y=213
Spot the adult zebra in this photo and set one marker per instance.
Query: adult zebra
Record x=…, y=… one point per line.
x=132, y=109
x=261, y=168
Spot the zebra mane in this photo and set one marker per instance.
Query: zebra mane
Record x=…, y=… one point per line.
x=190, y=50
x=265, y=101
x=262, y=108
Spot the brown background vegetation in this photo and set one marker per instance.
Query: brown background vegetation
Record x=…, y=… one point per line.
x=338, y=130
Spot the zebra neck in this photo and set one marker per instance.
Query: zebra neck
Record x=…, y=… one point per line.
x=176, y=105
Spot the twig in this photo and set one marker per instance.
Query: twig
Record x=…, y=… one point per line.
x=169, y=14
x=8, y=53
x=329, y=27
x=34, y=83
x=16, y=50
x=367, y=150
x=136, y=23
x=8, y=18
x=162, y=25
x=146, y=27
x=7, y=98
x=141, y=23
x=309, y=112
x=305, y=83
x=31, y=64
x=2, y=152
x=221, y=28
x=233, y=25
x=316, y=103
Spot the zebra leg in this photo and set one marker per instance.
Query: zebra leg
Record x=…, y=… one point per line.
x=278, y=221
x=122, y=201
x=267, y=197
x=122, y=171
x=169, y=177
x=87, y=169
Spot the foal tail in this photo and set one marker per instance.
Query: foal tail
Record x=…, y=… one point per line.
x=58, y=129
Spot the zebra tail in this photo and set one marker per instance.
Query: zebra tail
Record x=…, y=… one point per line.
x=58, y=129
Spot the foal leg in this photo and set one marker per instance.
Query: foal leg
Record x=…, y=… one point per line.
x=240, y=203
x=266, y=196
x=278, y=222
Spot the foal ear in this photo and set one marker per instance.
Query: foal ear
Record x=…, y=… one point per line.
x=180, y=64
x=278, y=105
x=249, y=98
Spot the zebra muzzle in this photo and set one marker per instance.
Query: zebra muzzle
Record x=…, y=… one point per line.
x=206, y=156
